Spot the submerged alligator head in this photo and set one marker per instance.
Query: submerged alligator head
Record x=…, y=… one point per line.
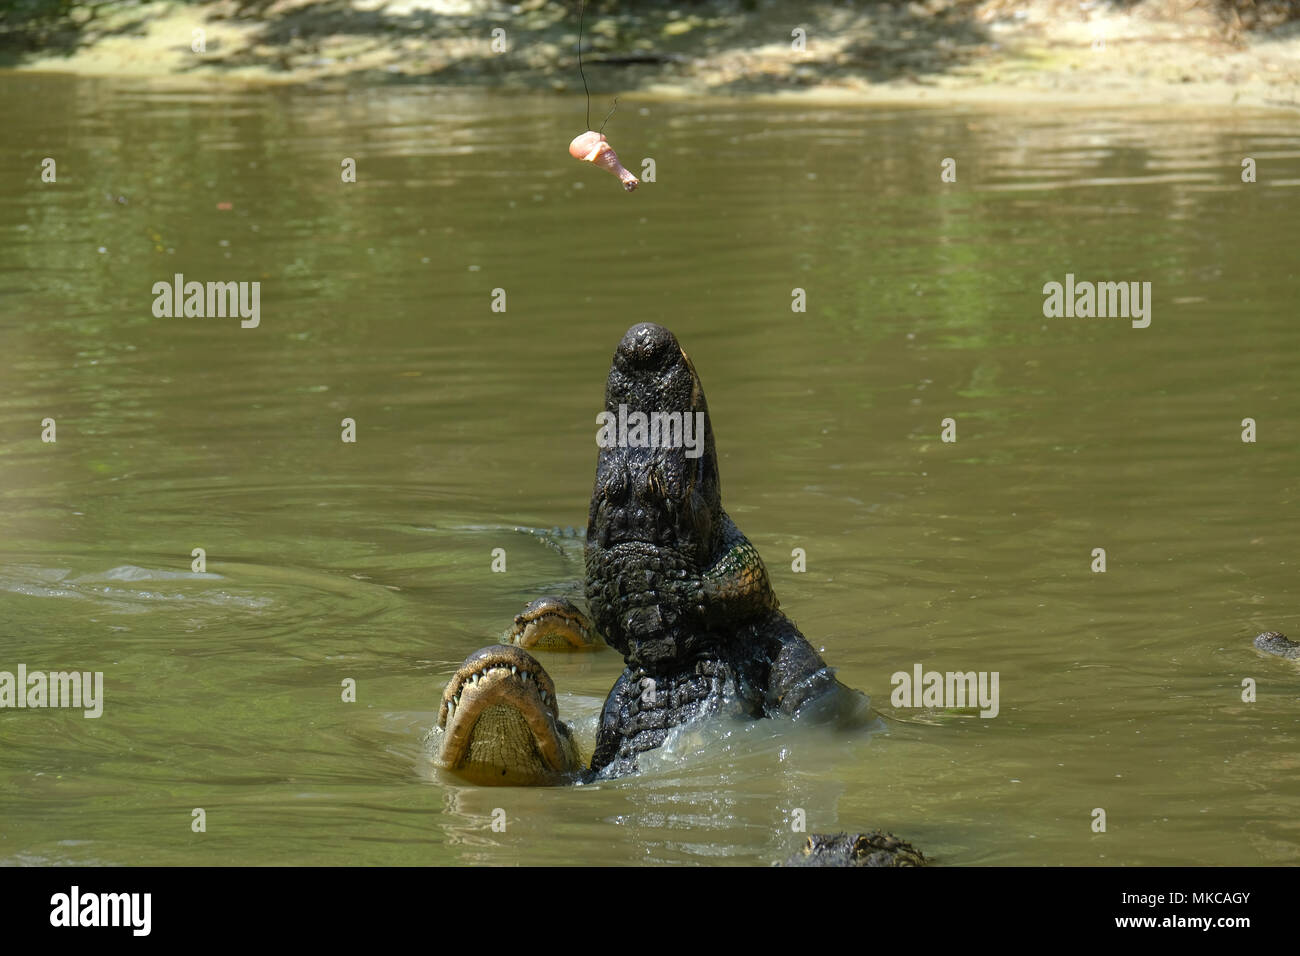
x=1272, y=642
x=857, y=849
x=672, y=584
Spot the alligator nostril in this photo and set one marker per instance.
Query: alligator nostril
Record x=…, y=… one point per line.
x=645, y=346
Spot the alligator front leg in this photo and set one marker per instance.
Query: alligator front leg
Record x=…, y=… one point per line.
x=800, y=683
x=736, y=587
x=499, y=722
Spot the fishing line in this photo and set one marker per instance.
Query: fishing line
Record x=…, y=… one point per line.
x=582, y=13
x=607, y=115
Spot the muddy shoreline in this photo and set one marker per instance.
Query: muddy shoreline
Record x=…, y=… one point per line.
x=1150, y=53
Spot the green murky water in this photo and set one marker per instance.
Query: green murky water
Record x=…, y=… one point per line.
x=372, y=561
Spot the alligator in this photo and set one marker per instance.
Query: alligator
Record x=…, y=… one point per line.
x=1274, y=643
x=857, y=849
x=671, y=584
x=553, y=623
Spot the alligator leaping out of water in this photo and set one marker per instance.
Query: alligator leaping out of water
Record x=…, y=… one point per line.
x=677, y=589
x=672, y=584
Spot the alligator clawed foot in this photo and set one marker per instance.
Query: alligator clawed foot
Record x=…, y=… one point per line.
x=499, y=722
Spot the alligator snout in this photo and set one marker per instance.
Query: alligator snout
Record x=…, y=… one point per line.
x=646, y=347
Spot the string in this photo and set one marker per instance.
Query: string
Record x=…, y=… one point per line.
x=607, y=115
x=582, y=12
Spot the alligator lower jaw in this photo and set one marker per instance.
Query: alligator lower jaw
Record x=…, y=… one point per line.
x=553, y=624
x=500, y=723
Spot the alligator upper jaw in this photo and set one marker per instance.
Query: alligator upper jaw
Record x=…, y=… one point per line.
x=657, y=455
x=500, y=721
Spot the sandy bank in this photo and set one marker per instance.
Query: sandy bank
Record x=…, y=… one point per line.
x=1154, y=52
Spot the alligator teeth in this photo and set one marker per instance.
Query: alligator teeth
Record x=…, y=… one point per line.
x=513, y=669
x=451, y=711
x=525, y=675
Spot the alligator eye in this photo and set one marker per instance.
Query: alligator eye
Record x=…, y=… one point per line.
x=614, y=484
x=655, y=482
x=667, y=483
